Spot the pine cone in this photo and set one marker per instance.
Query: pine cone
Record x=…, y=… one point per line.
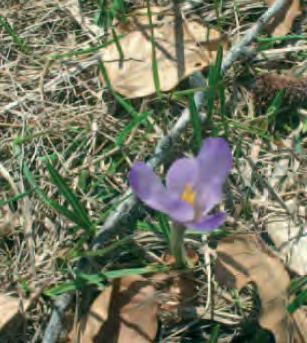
x=267, y=87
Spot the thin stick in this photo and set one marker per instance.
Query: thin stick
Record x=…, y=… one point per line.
x=124, y=209
x=238, y=49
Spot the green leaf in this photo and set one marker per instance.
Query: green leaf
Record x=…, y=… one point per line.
x=133, y=124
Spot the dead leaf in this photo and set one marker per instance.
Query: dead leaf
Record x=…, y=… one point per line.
x=177, y=55
x=283, y=22
x=192, y=258
x=286, y=231
x=10, y=308
x=245, y=258
x=290, y=238
x=177, y=292
x=125, y=312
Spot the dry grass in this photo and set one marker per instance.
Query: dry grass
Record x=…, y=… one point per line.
x=58, y=110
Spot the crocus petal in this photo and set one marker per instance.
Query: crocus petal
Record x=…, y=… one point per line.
x=149, y=188
x=180, y=211
x=208, y=223
x=207, y=197
x=182, y=172
x=215, y=162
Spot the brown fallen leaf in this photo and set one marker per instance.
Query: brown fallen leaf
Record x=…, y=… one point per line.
x=11, y=308
x=245, y=258
x=289, y=232
x=290, y=238
x=192, y=257
x=125, y=312
x=177, y=55
x=284, y=21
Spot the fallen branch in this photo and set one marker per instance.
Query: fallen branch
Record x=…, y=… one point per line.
x=239, y=49
x=124, y=209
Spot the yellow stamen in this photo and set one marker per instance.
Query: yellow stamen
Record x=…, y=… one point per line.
x=188, y=195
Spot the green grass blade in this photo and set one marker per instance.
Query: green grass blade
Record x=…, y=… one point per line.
x=69, y=195
x=83, y=279
x=58, y=208
x=214, y=337
x=85, y=51
x=29, y=138
x=204, y=89
x=133, y=124
x=17, y=40
x=252, y=129
x=100, y=252
x=125, y=104
x=215, y=78
x=223, y=108
x=218, y=64
x=16, y=198
x=275, y=106
x=297, y=285
x=66, y=287
x=299, y=301
x=155, y=69
x=115, y=274
x=138, y=118
x=120, y=6
x=164, y=226
x=281, y=38
x=196, y=122
x=118, y=46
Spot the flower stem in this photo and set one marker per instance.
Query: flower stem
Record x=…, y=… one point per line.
x=177, y=245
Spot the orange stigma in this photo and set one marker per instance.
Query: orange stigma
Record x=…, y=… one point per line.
x=188, y=195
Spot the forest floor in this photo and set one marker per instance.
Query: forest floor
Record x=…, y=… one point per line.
x=69, y=223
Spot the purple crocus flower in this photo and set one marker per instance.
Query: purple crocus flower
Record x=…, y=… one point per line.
x=193, y=186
